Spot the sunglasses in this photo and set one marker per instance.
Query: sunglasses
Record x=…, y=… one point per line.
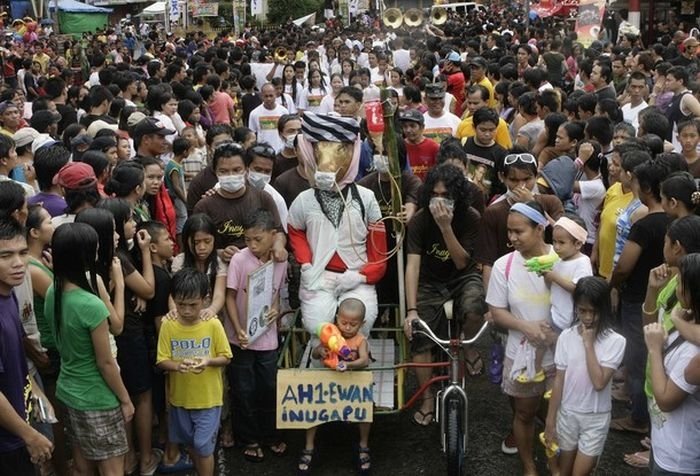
x=525, y=158
x=263, y=150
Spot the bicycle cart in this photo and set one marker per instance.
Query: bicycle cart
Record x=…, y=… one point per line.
x=391, y=361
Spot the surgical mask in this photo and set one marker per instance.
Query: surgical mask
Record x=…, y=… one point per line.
x=289, y=141
x=381, y=163
x=324, y=180
x=258, y=179
x=232, y=183
x=447, y=202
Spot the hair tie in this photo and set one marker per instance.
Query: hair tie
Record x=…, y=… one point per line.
x=530, y=213
x=574, y=229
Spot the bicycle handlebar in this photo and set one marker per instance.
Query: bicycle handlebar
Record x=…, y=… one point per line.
x=419, y=326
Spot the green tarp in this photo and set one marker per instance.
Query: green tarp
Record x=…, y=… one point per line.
x=76, y=23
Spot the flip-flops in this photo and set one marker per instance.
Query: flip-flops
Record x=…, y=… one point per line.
x=183, y=464
x=638, y=460
x=475, y=366
x=278, y=449
x=254, y=453
x=626, y=424
x=423, y=417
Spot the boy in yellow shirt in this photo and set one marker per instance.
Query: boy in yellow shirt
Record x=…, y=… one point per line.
x=194, y=353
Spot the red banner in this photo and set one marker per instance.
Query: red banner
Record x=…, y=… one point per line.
x=588, y=20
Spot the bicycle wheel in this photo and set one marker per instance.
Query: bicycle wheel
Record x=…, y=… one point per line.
x=454, y=427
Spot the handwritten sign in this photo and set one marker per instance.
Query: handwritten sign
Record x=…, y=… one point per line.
x=307, y=398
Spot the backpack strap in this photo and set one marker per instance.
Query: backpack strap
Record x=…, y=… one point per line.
x=509, y=264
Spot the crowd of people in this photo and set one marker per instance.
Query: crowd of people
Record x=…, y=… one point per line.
x=543, y=185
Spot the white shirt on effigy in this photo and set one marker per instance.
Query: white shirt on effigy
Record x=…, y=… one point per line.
x=349, y=240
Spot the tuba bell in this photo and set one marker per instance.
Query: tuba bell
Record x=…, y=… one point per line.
x=438, y=16
x=392, y=18
x=413, y=17
x=280, y=55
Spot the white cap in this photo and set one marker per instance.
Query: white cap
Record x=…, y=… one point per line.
x=42, y=140
x=98, y=125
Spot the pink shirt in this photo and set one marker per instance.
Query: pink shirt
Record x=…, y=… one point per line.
x=241, y=265
x=219, y=106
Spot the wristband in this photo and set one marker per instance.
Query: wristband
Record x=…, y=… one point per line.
x=411, y=309
x=579, y=163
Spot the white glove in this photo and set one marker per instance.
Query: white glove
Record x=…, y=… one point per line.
x=304, y=276
x=349, y=280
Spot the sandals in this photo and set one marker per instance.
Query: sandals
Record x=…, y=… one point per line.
x=278, y=449
x=364, y=461
x=184, y=463
x=626, y=424
x=638, y=460
x=156, y=457
x=226, y=439
x=426, y=418
x=306, y=458
x=422, y=418
x=475, y=366
x=254, y=453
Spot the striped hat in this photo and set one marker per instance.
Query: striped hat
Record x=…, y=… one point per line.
x=323, y=127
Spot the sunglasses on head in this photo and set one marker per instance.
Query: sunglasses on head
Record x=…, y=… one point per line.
x=263, y=150
x=525, y=158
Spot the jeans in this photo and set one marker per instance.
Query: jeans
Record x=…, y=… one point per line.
x=635, y=359
x=252, y=375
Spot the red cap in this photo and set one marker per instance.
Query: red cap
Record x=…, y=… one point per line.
x=75, y=176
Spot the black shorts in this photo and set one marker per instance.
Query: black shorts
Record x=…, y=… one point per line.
x=17, y=462
x=467, y=291
x=134, y=364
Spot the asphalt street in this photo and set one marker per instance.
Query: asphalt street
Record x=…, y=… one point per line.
x=402, y=448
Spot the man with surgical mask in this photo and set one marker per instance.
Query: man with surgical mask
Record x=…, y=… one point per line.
x=259, y=161
x=288, y=127
x=335, y=228
x=234, y=200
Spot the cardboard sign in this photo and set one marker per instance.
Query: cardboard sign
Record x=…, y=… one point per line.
x=307, y=398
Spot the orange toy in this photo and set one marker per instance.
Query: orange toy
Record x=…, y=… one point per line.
x=332, y=339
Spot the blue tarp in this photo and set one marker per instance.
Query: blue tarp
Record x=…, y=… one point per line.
x=73, y=6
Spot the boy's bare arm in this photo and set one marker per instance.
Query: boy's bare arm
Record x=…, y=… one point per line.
x=363, y=358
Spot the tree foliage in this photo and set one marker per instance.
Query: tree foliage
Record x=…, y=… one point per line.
x=281, y=10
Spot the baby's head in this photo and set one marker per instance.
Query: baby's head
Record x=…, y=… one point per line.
x=569, y=236
x=350, y=317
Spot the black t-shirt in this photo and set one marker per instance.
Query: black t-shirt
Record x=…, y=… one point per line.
x=554, y=61
x=649, y=234
x=229, y=214
x=68, y=116
x=290, y=184
x=133, y=322
x=157, y=306
x=282, y=164
x=490, y=157
x=248, y=103
x=425, y=239
x=201, y=184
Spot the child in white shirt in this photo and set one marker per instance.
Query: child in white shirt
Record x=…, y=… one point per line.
x=568, y=238
x=586, y=357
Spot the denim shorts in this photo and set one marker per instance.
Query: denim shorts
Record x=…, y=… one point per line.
x=196, y=429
